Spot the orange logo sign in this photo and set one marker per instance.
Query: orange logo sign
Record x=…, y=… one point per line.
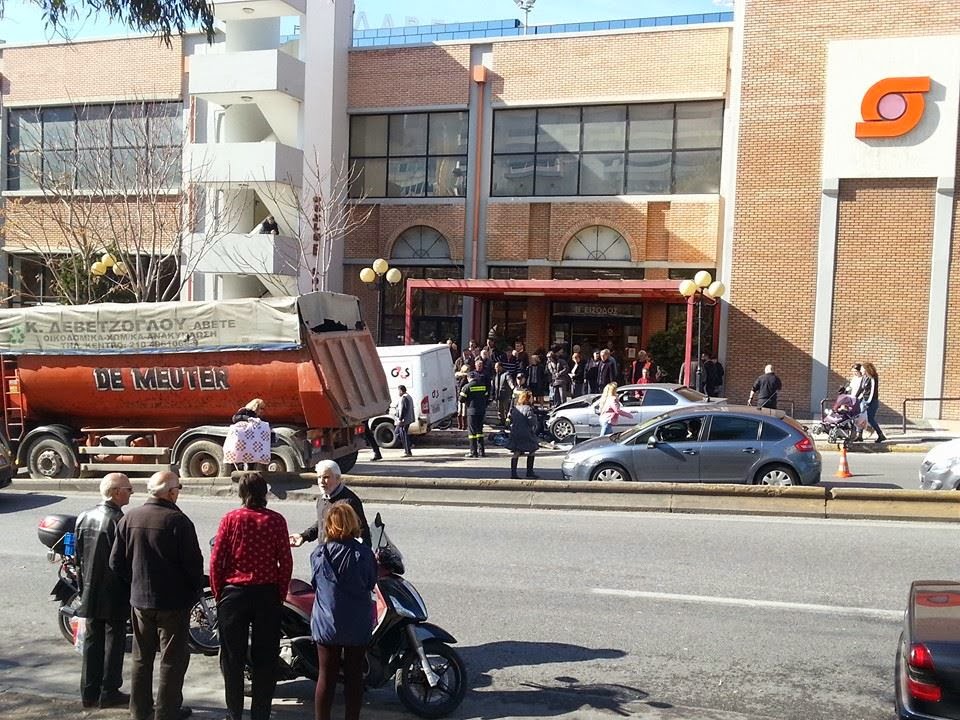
x=892, y=107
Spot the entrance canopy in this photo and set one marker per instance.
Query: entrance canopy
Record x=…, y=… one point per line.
x=662, y=290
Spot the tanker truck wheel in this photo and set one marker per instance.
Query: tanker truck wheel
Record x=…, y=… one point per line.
x=52, y=458
x=201, y=459
x=284, y=460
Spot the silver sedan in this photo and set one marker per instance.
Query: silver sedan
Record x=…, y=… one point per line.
x=581, y=416
x=940, y=469
x=711, y=443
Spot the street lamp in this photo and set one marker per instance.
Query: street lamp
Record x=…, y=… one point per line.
x=701, y=289
x=526, y=6
x=380, y=273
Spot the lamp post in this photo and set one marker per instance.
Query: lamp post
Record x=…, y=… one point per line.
x=380, y=273
x=526, y=6
x=701, y=289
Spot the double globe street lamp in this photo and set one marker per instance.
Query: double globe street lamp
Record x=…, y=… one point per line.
x=380, y=273
x=701, y=289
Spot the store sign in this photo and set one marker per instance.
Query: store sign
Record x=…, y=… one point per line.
x=891, y=108
x=597, y=310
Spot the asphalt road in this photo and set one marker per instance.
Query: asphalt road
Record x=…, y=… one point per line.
x=583, y=614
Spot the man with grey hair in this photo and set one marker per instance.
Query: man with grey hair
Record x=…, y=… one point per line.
x=157, y=552
x=332, y=490
x=104, y=597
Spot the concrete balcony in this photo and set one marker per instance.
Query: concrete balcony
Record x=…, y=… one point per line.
x=259, y=76
x=243, y=254
x=251, y=163
x=258, y=9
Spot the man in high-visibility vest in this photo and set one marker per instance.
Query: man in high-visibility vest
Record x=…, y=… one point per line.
x=474, y=396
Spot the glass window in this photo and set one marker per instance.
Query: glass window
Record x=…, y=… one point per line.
x=513, y=175
x=24, y=171
x=447, y=176
x=604, y=128
x=597, y=273
x=556, y=175
x=508, y=272
x=648, y=173
x=771, y=432
x=406, y=177
x=129, y=126
x=59, y=169
x=166, y=124
x=93, y=127
x=448, y=133
x=680, y=430
x=371, y=179
x=59, y=130
x=421, y=241
x=601, y=174
x=514, y=131
x=728, y=428
x=408, y=134
x=368, y=136
x=699, y=124
x=697, y=171
x=126, y=162
x=658, y=398
x=597, y=242
x=651, y=127
x=558, y=130
x=26, y=130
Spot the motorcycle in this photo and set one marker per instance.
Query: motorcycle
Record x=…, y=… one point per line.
x=56, y=533
x=429, y=676
x=541, y=415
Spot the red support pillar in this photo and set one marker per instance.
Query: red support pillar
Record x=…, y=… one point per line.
x=408, y=317
x=688, y=345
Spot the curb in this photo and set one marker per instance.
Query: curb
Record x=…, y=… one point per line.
x=819, y=502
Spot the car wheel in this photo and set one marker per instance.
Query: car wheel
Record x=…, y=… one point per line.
x=562, y=429
x=782, y=475
x=608, y=472
x=386, y=434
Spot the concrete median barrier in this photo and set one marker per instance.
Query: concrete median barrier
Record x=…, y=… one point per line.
x=893, y=504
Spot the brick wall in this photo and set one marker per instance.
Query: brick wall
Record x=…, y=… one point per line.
x=773, y=275
x=951, y=378
x=409, y=77
x=664, y=64
x=91, y=71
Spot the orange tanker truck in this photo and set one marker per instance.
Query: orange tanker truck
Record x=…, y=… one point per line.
x=140, y=387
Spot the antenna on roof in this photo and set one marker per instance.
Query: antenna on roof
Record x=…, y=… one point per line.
x=526, y=6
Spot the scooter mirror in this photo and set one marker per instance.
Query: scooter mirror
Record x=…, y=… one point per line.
x=377, y=521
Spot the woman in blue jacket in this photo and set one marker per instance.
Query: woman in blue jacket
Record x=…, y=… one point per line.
x=344, y=575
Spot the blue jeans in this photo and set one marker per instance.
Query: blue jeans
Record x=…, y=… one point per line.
x=606, y=428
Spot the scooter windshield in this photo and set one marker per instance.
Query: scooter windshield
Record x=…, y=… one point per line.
x=388, y=555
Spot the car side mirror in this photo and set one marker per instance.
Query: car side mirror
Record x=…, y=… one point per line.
x=652, y=441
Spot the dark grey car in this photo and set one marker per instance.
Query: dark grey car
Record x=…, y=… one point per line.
x=710, y=444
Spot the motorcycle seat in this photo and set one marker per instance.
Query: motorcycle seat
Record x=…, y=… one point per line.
x=299, y=587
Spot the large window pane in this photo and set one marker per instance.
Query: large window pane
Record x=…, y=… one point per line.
x=408, y=134
x=368, y=135
x=651, y=127
x=166, y=124
x=406, y=177
x=699, y=124
x=166, y=165
x=556, y=174
x=601, y=174
x=604, y=128
x=697, y=171
x=514, y=131
x=558, y=130
x=513, y=175
x=25, y=129
x=126, y=162
x=93, y=168
x=648, y=173
x=93, y=127
x=448, y=133
x=447, y=176
x=371, y=179
x=23, y=171
x=129, y=126
x=59, y=169
x=58, y=129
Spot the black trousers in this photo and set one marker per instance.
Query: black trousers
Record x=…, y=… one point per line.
x=331, y=659
x=103, y=646
x=165, y=631
x=249, y=611
x=371, y=439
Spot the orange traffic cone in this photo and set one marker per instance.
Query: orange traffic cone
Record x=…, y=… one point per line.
x=844, y=470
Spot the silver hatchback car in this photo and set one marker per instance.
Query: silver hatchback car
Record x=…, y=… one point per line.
x=709, y=444
x=581, y=416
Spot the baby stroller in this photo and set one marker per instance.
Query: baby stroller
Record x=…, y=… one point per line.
x=844, y=421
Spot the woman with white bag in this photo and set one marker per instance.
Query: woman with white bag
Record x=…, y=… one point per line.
x=248, y=438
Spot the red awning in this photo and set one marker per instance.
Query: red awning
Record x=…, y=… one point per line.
x=664, y=290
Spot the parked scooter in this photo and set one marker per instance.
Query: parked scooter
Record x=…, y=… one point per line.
x=56, y=532
x=430, y=678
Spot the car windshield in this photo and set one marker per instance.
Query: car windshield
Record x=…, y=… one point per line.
x=690, y=394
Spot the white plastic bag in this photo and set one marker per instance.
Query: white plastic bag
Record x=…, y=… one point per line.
x=78, y=627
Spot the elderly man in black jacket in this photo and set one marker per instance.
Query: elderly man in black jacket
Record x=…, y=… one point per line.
x=104, y=597
x=332, y=490
x=157, y=552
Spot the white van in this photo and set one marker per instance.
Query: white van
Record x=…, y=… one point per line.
x=427, y=373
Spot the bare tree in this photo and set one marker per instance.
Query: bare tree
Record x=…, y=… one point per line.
x=101, y=202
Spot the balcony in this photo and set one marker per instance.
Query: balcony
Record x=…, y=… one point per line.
x=260, y=76
x=249, y=163
x=243, y=254
x=257, y=9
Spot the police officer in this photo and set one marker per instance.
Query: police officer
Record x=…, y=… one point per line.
x=474, y=396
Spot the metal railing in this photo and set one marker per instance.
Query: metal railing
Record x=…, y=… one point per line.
x=903, y=407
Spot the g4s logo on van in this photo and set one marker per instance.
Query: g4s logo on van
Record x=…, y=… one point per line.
x=400, y=372
x=892, y=107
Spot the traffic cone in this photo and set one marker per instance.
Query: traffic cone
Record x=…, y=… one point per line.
x=844, y=470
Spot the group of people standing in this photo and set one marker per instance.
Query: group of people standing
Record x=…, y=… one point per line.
x=146, y=565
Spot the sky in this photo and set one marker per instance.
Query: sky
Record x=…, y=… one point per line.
x=22, y=22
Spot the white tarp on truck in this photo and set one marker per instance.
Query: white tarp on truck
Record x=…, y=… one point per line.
x=170, y=327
